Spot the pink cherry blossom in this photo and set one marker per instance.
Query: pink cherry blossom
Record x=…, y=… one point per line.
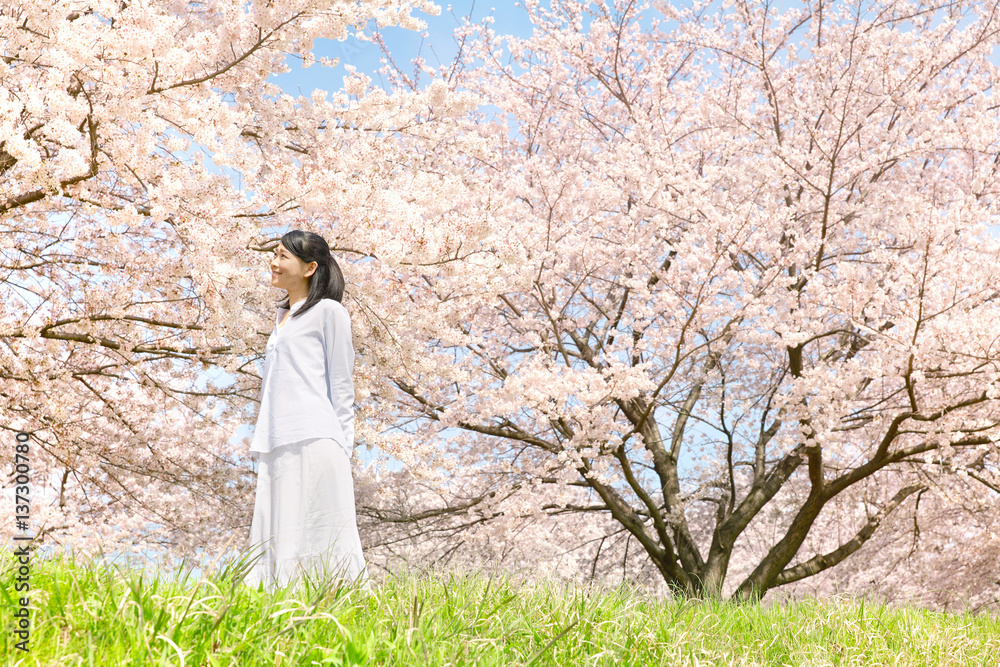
x=701, y=296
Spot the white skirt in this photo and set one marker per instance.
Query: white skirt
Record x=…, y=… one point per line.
x=304, y=521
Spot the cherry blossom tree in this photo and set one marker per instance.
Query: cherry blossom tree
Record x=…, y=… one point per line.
x=132, y=264
x=707, y=289
x=738, y=293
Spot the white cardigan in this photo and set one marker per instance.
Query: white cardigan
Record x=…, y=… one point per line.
x=308, y=385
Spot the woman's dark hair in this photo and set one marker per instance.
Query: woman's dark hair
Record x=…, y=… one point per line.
x=327, y=281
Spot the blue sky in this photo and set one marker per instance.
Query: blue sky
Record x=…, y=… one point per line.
x=435, y=45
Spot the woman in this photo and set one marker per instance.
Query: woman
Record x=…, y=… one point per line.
x=303, y=519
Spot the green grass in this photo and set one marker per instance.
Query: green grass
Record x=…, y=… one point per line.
x=85, y=614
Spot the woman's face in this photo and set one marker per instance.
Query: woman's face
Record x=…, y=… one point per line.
x=288, y=272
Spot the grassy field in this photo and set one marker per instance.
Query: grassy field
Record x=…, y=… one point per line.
x=88, y=615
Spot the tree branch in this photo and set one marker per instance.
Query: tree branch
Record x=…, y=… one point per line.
x=817, y=564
